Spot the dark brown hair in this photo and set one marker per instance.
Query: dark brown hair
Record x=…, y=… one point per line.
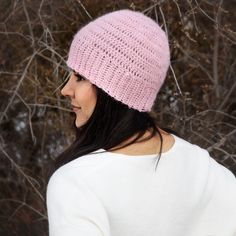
x=111, y=123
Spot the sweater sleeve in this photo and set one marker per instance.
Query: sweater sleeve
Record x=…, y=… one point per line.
x=219, y=213
x=223, y=199
x=73, y=209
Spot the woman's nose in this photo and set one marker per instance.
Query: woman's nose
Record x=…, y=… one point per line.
x=67, y=90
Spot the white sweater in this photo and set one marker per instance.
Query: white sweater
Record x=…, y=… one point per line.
x=111, y=194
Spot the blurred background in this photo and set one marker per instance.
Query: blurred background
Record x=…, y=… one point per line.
x=197, y=99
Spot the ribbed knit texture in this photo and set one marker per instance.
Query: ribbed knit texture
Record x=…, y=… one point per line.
x=125, y=53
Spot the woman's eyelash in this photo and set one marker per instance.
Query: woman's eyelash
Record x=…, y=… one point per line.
x=79, y=77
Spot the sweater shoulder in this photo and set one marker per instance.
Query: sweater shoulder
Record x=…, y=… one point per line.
x=199, y=156
x=89, y=162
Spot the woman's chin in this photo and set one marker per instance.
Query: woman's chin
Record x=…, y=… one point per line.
x=79, y=123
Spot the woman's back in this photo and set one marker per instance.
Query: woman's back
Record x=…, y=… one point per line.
x=115, y=194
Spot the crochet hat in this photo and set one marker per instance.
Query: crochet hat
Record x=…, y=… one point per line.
x=125, y=53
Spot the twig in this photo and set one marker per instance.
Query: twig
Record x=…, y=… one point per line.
x=232, y=89
x=194, y=18
x=18, y=86
x=180, y=14
x=215, y=52
x=48, y=105
x=149, y=8
x=29, y=24
x=30, y=115
x=198, y=134
x=211, y=110
x=176, y=81
x=24, y=204
x=164, y=20
x=22, y=173
x=205, y=13
x=84, y=9
x=197, y=62
x=46, y=30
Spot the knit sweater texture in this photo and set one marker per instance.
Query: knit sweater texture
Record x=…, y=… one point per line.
x=111, y=194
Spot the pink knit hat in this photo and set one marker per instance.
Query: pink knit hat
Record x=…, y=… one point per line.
x=125, y=53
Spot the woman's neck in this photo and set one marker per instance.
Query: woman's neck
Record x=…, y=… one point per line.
x=148, y=147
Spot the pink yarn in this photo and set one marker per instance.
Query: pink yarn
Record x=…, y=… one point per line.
x=125, y=53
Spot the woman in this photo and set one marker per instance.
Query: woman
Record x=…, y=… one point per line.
x=105, y=183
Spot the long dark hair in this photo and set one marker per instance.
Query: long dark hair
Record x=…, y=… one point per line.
x=111, y=123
